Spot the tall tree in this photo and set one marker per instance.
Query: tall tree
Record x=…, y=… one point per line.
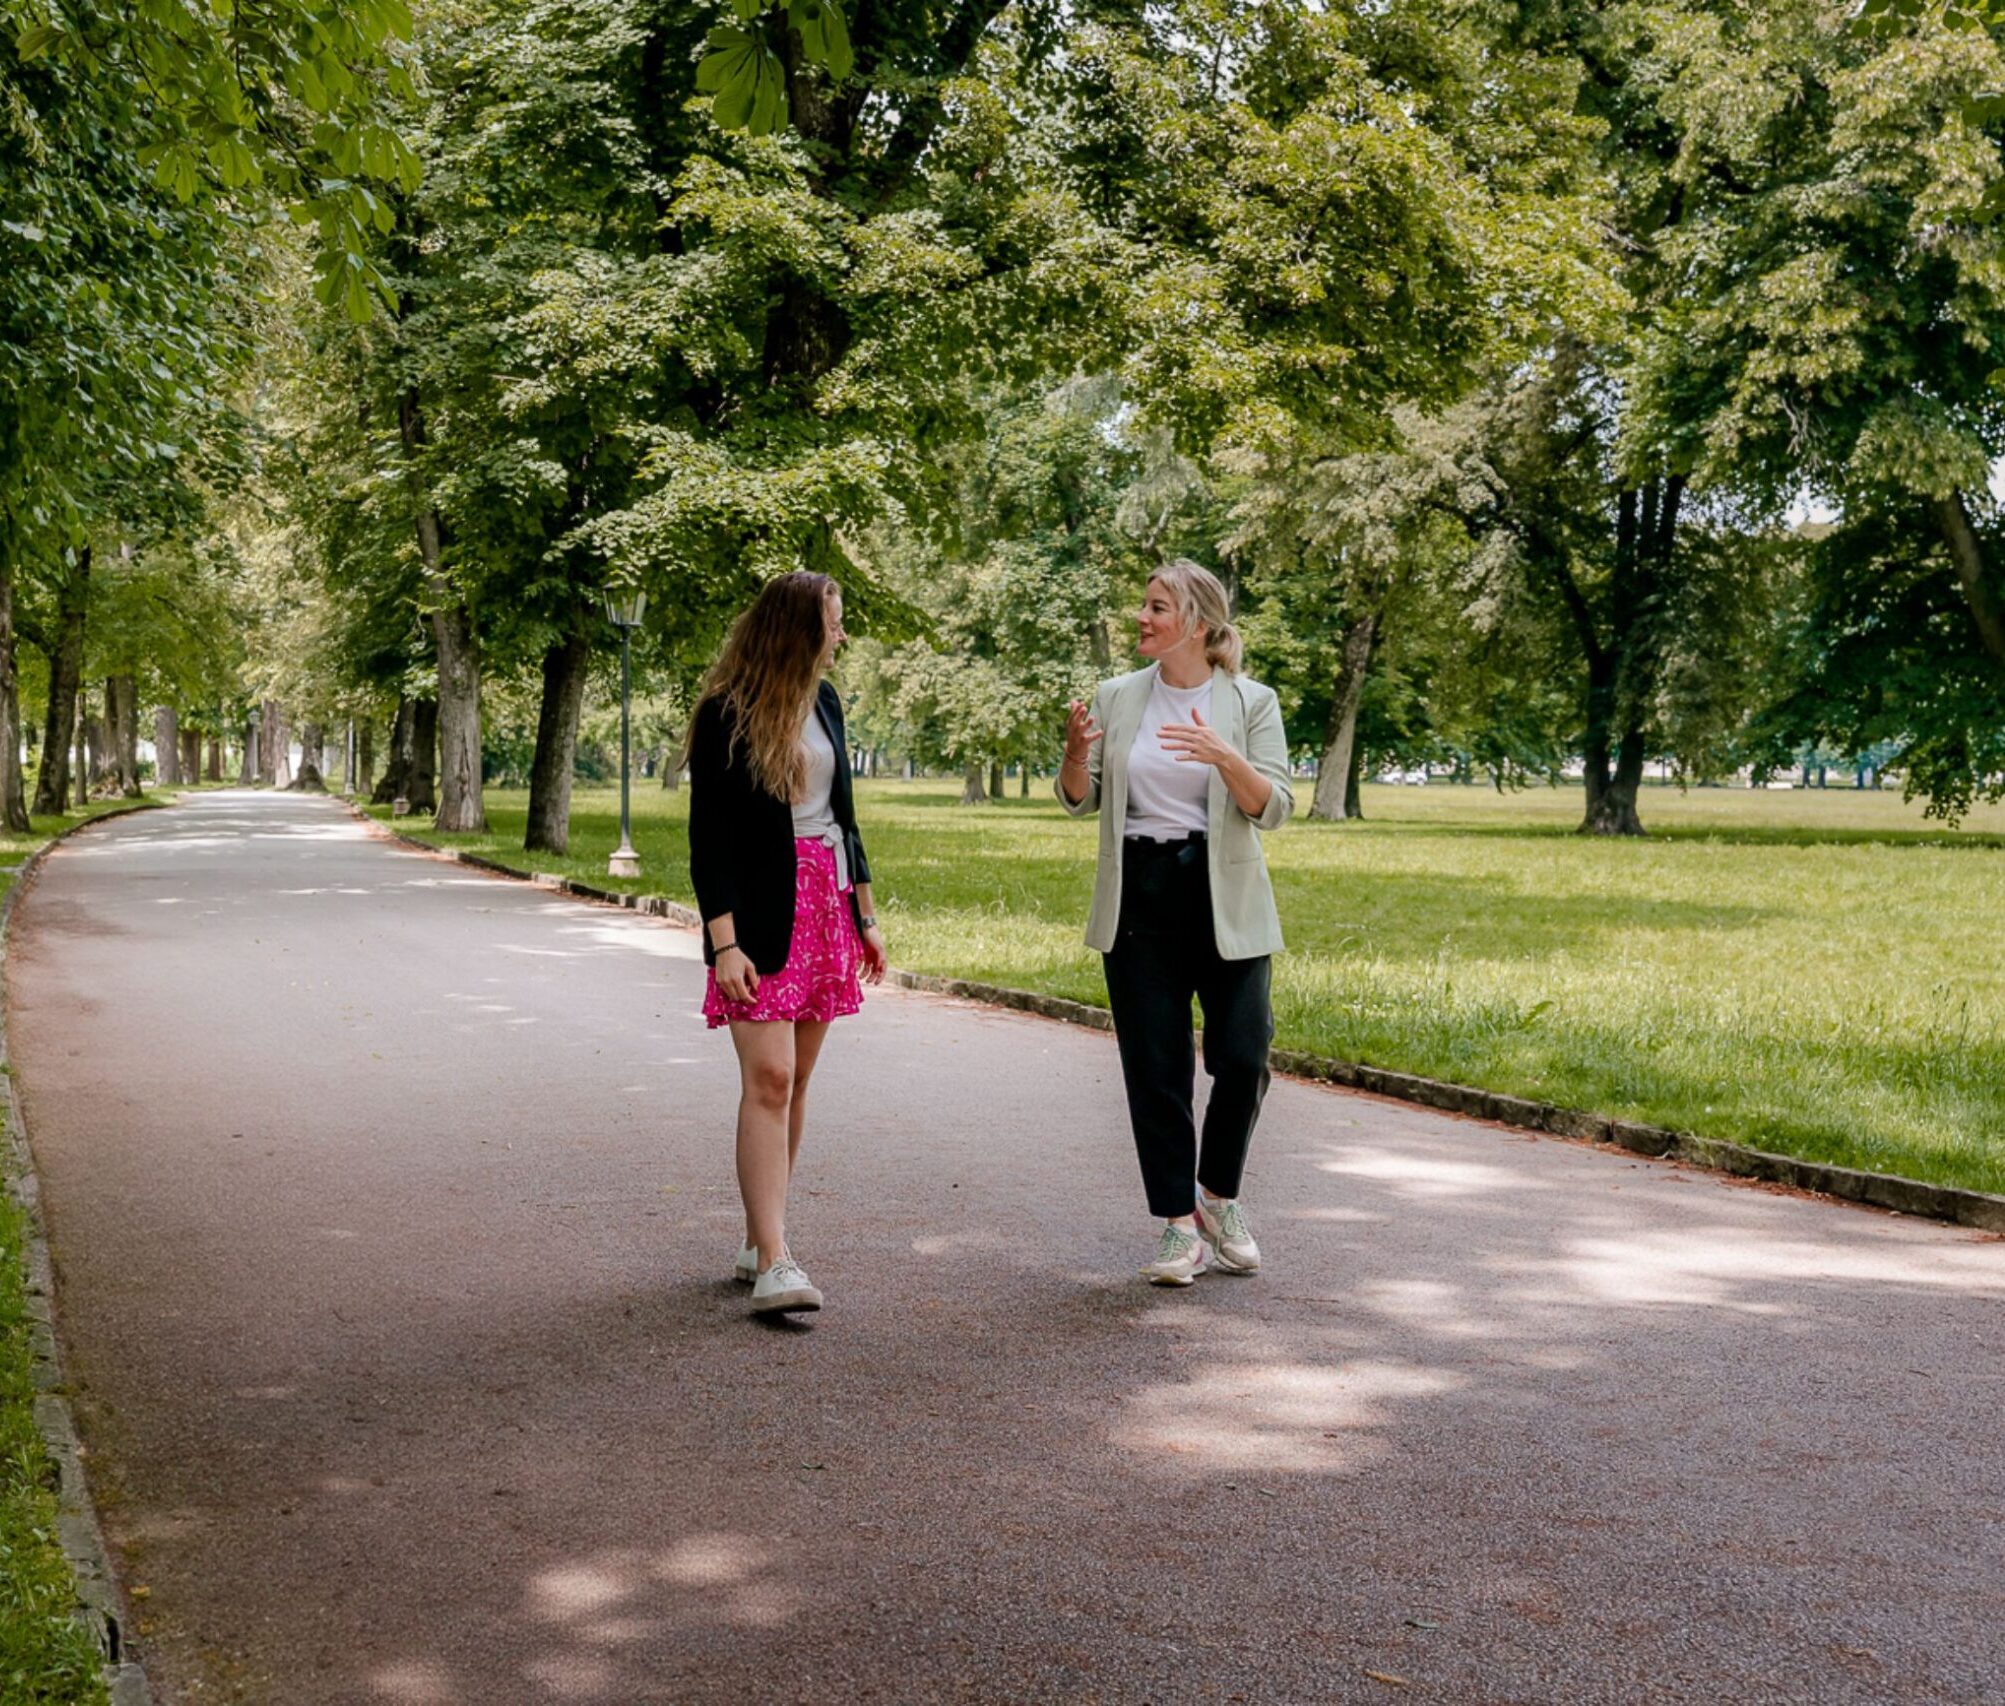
x=1840, y=330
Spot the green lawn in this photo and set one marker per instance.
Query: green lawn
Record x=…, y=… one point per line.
x=45, y=1654
x=1815, y=972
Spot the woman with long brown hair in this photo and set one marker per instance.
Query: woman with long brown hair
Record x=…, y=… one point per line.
x=784, y=890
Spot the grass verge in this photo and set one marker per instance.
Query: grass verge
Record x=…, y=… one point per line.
x=47, y=1657
x=1810, y=972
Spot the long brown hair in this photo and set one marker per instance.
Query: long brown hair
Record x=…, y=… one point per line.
x=764, y=681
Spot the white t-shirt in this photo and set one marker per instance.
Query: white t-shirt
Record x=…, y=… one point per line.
x=1167, y=797
x=814, y=812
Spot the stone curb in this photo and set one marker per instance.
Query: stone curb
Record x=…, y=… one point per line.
x=1976, y=1209
x=100, y=1604
x=648, y=905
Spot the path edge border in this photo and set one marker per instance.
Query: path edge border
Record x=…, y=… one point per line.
x=1978, y=1210
x=100, y=1602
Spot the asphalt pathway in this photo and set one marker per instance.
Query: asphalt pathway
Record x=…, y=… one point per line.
x=393, y=1214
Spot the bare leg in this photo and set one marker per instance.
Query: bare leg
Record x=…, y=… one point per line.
x=765, y=1100
x=808, y=1039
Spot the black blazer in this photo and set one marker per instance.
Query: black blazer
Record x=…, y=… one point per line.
x=741, y=838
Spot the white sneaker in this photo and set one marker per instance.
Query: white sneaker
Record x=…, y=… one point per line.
x=783, y=1289
x=1224, y=1224
x=746, y=1269
x=1181, y=1255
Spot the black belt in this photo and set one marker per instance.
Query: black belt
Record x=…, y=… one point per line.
x=1164, y=840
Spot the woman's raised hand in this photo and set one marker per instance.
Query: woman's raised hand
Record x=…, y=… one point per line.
x=1196, y=742
x=1080, y=732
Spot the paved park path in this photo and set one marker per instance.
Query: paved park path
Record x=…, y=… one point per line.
x=393, y=1214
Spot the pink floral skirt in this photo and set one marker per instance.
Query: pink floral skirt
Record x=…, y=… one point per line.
x=819, y=982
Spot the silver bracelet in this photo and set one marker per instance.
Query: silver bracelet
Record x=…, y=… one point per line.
x=868, y=920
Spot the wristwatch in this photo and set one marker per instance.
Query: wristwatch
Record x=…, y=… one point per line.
x=868, y=921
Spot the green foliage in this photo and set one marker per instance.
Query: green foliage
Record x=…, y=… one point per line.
x=1885, y=657
x=1837, y=328
x=281, y=97
x=747, y=79
x=1334, y=211
x=1015, y=582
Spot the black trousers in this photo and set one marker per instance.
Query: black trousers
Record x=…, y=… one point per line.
x=1165, y=954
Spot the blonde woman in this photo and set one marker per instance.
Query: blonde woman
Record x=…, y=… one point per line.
x=1186, y=762
x=784, y=889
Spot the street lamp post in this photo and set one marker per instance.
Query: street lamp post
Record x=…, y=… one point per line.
x=624, y=609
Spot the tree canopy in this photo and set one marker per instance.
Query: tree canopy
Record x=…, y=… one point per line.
x=1492, y=355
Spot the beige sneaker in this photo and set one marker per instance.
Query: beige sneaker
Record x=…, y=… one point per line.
x=746, y=1270
x=784, y=1289
x=1181, y=1255
x=1225, y=1225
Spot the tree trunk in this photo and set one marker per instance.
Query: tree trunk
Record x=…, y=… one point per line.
x=1622, y=676
x=365, y=757
x=458, y=709
x=1354, y=800
x=1336, y=774
x=191, y=756
x=971, y=789
x=671, y=763
x=995, y=779
x=565, y=665
x=104, y=738
x=1023, y=779
x=251, y=769
x=166, y=745
x=121, y=715
x=397, y=763
x=212, y=771
x=1598, y=742
x=1966, y=554
x=13, y=789
x=421, y=785
x=1613, y=811
x=312, y=752
x=275, y=747
x=460, y=807
x=66, y=674
x=97, y=750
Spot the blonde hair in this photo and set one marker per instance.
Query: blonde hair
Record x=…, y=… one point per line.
x=1199, y=598
x=765, y=679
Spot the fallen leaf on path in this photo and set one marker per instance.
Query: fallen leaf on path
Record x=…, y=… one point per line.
x=1386, y=1677
x=1420, y=1623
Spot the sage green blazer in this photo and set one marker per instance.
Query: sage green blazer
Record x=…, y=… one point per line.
x=1246, y=715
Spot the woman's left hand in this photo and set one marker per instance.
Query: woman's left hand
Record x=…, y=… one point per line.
x=1196, y=742
x=874, y=961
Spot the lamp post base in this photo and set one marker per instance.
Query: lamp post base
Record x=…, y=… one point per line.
x=624, y=863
